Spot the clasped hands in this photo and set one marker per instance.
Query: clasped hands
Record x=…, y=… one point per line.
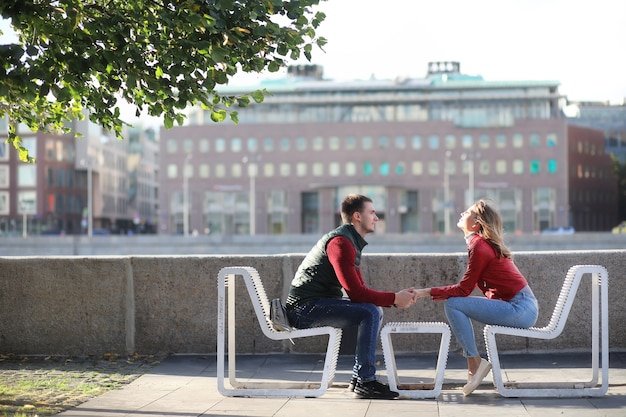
x=407, y=297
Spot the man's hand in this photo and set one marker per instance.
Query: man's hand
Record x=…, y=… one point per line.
x=404, y=298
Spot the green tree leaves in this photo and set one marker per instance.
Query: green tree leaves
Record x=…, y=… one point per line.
x=159, y=55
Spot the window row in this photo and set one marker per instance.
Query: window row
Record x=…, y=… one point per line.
x=334, y=169
x=334, y=143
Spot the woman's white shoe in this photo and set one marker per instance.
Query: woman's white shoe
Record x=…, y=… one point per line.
x=475, y=380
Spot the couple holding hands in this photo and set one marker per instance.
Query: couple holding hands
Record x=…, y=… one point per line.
x=332, y=267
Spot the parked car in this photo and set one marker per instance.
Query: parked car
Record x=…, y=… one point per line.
x=620, y=228
x=558, y=231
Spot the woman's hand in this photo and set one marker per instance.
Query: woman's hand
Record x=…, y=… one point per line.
x=421, y=293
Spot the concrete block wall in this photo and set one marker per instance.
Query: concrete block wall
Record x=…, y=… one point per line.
x=168, y=304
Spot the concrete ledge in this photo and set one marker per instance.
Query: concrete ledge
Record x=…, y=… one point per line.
x=168, y=304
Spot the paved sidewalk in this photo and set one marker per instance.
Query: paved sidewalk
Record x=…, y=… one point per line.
x=186, y=386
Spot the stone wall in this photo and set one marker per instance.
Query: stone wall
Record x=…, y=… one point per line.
x=168, y=304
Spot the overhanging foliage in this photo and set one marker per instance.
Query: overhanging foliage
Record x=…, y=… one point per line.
x=159, y=55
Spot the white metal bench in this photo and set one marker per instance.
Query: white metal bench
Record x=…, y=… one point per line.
x=421, y=390
x=600, y=340
x=226, y=279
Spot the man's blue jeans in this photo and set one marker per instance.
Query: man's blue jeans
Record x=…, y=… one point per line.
x=521, y=311
x=343, y=313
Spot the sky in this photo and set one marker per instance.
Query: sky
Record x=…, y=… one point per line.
x=579, y=43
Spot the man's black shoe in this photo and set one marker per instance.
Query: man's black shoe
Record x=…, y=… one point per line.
x=374, y=390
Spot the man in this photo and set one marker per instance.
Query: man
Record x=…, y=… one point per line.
x=316, y=297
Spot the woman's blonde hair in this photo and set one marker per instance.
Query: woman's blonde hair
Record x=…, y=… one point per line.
x=491, y=226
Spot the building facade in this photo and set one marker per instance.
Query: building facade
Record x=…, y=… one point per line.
x=77, y=184
x=423, y=149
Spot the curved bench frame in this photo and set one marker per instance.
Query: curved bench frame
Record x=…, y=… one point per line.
x=599, y=340
x=226, y=278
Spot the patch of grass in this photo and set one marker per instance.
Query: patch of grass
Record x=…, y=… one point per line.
x=44, y=386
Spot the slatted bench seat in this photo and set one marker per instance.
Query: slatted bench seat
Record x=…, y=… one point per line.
x=422, y=390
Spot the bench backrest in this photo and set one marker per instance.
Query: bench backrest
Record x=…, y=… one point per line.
x=567, y=296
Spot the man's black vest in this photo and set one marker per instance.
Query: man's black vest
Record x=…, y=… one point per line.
x=316, y=277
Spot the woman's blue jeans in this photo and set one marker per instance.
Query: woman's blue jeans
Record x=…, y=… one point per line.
x=343, y=313
x=521, y=311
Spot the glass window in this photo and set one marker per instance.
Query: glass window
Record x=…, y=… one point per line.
x=534, y=166
x=367, y=168
x=433, y=168
x=384, y=169
x=334, y=169
x=253, y=144
x=400, y=142
x=27, y=202
x=4, y=202
x=518, y=140
x=203, y=145
x=236, y=170
x=268, y=144
x=333, y=143
x=220, y=145
x=484, y=167
x=301, y=144
x=552, y=166
x=367, y=142
x=417, y=168
x=187, y=145
x=350, y=143
x=501, y=166
x=285, y=170
x=450, y=142
x=235, y=145
x=172, y=171
x=27, y=175
x=284, y=144
x=483, y=141
x=400, y=168
x=172, y=146
x=318, y=169
x=467, y=141
x=501, y=141
x=318, y=143
x=203, y=170
x=4, y=176
x=301, y=169
x=383, y=142
x=31, y=145
x=188, y=170
x=433, y=142
x=220, y=170
x=518, y=166
x=268, y=170
x=351, y=169
x=534, y=140
x=551, y=140
x=416, y=142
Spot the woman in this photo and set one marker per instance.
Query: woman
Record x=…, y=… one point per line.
x=508, y=300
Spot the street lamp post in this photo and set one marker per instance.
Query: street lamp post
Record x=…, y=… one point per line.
x=24, y=219
x=446, y=194
x=252, y=173
x=89, y=199
x=469, y=157
x=88, y=162
x=186, y=196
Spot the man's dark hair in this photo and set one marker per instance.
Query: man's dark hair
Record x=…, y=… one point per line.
x=353, y=203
